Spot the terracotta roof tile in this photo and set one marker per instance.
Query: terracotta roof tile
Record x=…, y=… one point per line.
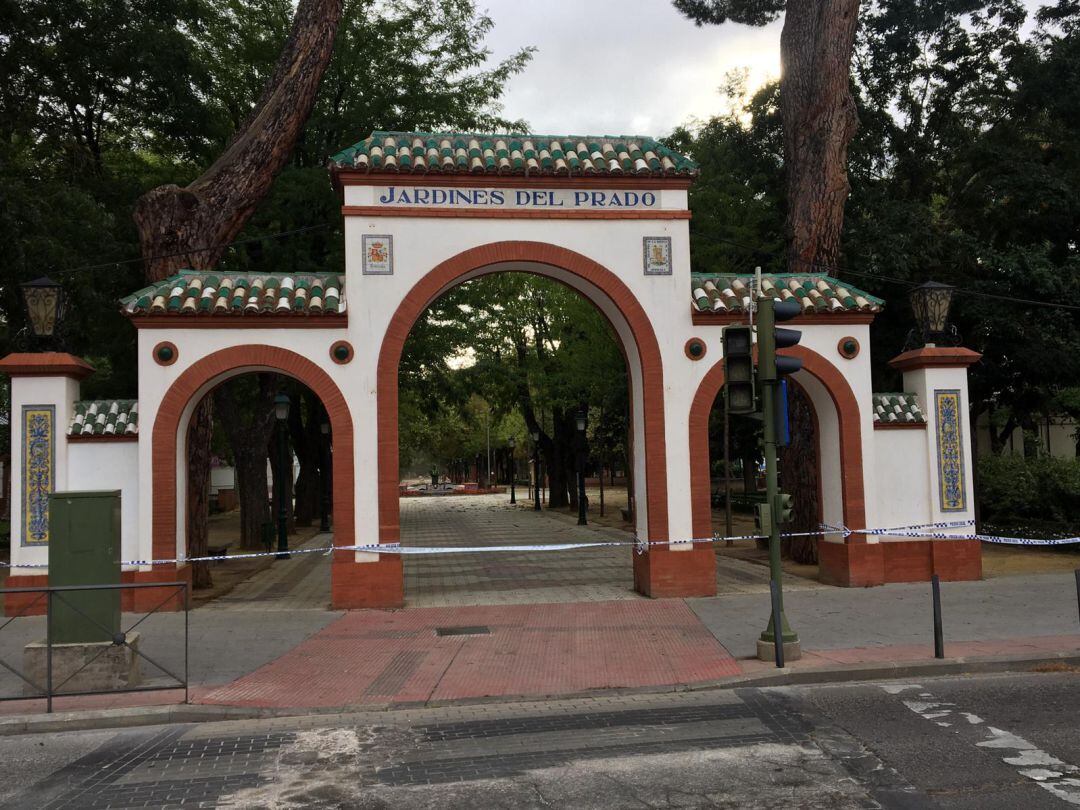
x=817, y=294
x=550, y=155
x=193, y=293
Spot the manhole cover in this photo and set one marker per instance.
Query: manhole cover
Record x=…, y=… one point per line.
x=476, y=630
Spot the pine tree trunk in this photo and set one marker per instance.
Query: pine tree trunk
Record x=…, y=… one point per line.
x=800, y=475
x=304, y=422
x=200, y=430
x=191, y=227
x=252, y=492
x=819, y=118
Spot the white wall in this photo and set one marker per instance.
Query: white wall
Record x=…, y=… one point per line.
x=109, y=465
x=902, y=464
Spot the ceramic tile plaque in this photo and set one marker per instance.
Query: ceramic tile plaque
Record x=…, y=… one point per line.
x=950, y=451
x=378, y=255
x=657, y=255
x=39, y=461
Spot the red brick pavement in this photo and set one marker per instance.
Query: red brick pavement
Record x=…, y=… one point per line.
x=395, y=657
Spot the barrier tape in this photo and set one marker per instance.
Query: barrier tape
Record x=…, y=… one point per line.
x=911, y=530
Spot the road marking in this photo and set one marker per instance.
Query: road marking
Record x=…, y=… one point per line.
x=1047, y=771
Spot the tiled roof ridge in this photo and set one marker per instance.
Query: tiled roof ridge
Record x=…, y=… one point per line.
x=818, y=293
x=895, y=407
x=208, y=292
x=105, y=417
x=514, y=154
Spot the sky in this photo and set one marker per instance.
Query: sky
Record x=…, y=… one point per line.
x=623, y=67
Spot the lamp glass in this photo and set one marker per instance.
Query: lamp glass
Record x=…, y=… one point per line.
x=581, y=421
x=281, y=407
x=43, y=299
x=930, y=303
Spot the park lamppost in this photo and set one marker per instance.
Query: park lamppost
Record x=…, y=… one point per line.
x=581, y=419
x=324, y=479
x=536, y=469
x=512, y=443
x=281, y=411
x=43, y=302
x=931, y=302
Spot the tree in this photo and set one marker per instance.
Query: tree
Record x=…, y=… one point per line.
x=817, y=109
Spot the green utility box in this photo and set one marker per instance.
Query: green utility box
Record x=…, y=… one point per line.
x=84, y=549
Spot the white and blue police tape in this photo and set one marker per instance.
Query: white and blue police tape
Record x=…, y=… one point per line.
x=917, y=530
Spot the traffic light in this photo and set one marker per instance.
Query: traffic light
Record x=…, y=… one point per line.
x=784, y=508
x=739, y=369
x=763, y=519
x=772, y=366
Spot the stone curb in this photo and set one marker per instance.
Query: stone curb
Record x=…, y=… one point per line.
x=199, y=713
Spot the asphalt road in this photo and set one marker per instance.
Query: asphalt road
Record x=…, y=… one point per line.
x=1003, y=741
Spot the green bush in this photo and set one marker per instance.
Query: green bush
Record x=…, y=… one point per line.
x=1014, y=489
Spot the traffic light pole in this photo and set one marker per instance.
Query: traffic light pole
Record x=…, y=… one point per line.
x=767, y=378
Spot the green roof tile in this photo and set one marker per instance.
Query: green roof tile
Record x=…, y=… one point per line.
x=532, y=155
x=191, y=293
x=105, y=417
x=891, y=409
x=817, y=294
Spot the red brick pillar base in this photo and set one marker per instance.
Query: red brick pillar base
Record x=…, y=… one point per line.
x=132, y=600
x=859, y=565
x=662, y=573
x=366, y=585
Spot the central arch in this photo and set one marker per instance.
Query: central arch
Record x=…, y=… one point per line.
x=591, y=280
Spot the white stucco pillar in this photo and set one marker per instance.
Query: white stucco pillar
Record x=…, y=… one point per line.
x=44, y=389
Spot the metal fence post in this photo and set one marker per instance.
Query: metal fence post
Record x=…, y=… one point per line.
x=939, y=640
x=777, y=623
x=187, y=608
x=48, y=650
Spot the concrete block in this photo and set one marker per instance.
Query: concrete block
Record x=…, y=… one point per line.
x=99, y=666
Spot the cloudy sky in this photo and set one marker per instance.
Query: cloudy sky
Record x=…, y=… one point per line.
x=623, y=67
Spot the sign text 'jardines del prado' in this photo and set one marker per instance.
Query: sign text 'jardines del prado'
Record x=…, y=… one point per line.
x=410, y=196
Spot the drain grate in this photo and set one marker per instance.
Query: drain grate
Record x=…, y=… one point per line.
x=474, y=630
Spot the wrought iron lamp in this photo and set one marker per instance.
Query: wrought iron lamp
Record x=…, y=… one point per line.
x=43, y=302
x=512, y=443
x=931, y=303
x=281, y=412
x=581, y=418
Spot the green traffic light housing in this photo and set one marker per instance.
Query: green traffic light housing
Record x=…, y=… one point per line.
x=738, y=343
x=784, y=508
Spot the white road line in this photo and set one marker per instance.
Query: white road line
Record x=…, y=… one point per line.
x=1047, y=771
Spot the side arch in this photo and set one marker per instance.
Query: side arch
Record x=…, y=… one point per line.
x=850, y=429
x=466, y=264
x=202, y=375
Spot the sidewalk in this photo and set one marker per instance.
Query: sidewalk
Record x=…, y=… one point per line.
x=300, y=661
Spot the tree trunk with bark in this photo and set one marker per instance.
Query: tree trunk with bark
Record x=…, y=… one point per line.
x=304, y=430
x=200, y=431
x=248, y=438
x=819, y=118
x=192, y=226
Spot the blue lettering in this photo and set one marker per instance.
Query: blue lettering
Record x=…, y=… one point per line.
x=404, y=197
x=388, y=197
x=480, y=198
x=497, y=198
x=438, y=196
x=648, y=198
x=421, y=195
x=630, y=198
x=580, y=198
x=521, y=198
x=598, y=199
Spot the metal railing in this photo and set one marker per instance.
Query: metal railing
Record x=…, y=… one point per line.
x=59, y=595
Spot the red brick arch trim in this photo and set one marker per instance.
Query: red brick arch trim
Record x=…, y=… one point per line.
x=847, y=410
x=214, y=367
x=455, y=268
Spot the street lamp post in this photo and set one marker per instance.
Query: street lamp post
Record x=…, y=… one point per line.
x=512, y=443
x=43, y=303
x=324, y=479
x=536, y=469
x=931, y=302
x=281, y=411
x=581, y=424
